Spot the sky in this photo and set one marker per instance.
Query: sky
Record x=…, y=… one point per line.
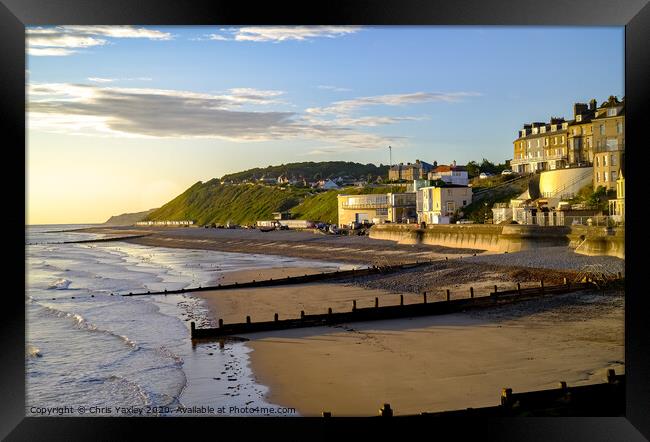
x=124, y=118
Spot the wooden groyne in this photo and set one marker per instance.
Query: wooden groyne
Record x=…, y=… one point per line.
x=604, y=399
x=389, y=312
x=314, y=277
x=118, y=238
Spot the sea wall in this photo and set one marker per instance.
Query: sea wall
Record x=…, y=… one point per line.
x=506, y=238
x=591, y=240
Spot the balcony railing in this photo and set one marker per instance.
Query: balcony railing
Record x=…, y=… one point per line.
x=365, y=206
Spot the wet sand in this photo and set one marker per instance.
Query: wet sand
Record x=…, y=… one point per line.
x=439, y=363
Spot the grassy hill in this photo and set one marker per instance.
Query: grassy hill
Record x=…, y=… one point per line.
x=127, y=219
x=311, y=170
x=213, y=202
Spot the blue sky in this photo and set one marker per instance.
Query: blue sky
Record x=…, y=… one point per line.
x=127, y=107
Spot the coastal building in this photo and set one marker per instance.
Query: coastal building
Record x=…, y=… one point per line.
x=409, y=172
x=376, y=208
x=451, y=174
x=327, y=185
x=437, y=204
x=165, y=223
x=595, y=137
x=617, y=206
x=609, y=142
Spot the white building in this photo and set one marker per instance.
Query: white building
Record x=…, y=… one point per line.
x=451, y=174
x=437, y=204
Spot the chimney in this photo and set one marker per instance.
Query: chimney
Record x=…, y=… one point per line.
x=579, y=108
x=592, y=104
x=454, y=163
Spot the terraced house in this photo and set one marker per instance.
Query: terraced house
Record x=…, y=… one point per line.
x=595, y=137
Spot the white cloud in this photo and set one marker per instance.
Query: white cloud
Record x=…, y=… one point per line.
x=61, y=40
x=101, y=80
x=112, y=80
x=347, y=106
x=142, y=112
x=283, y=33
x=53, y=52
x=333, y=88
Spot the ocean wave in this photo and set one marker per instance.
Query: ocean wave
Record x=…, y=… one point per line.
x=81, y=323
x=60, y=284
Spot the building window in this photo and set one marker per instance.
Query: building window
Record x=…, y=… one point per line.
x=612, y=160
x=605, y=162
x=597, y=162
x=538, y=142
x=611, y=112
x=619, y=127
x=598, y=177
x=602, y=129
x=554, y=140
x=529, y=144
x=613, y=176
x=605, y=176
x=562, y=142
x=545, y=141
x=464, y=202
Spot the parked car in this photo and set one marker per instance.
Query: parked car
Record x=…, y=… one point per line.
x=484, y=175
x=507, y=172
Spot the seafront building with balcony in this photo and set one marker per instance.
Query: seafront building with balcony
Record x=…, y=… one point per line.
x=376, y=208
x=595, y=137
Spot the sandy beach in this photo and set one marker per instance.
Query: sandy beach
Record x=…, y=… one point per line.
x=432, y=363
x=441, y=363
x=299, y=244
x=435, y=363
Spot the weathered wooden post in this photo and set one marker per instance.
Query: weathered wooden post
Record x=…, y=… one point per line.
x=471, y=292
x=275, y=317
x=192, y=329
x=401, y=299
x=541, y=284
x=386, y=411
x=495, y=289
x=302, y=314
x=446, y=258
x=519, y=288
x=329, y=311
x=376, y=302
x=220, y=323
x=424, y=296
x=562, y=385
x=248, y=319
x=449, y=295
x=611, y=376
x=620, y=275
x=354, y=305
x=327, y=414
x=506, y=397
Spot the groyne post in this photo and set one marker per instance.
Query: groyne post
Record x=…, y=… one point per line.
x=302, y=314
x=495, y=289
x=354, y=305
x=519, y=288
x=541, y=284
x=471, y=292
x=248, y=319
x=275, y=317
x=401, y=299
x=376, y=302
x=386, y=411
x=329, y=311
x=192, y=328
x=424, y=296
x=449, y=295
x=506, y=397
x=327, y=414
x=220, y=323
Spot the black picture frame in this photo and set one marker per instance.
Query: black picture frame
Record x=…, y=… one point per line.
x=633, y=14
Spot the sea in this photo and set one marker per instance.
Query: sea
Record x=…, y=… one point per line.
x=91, y=351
